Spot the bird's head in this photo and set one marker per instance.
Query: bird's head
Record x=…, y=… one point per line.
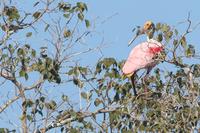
x=149, y=29
x=148, y=25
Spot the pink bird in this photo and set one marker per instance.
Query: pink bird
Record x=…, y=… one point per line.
x=142, y=56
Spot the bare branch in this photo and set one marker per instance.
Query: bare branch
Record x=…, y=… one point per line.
x=8, y=103
x=66, y=119
x=35, y=85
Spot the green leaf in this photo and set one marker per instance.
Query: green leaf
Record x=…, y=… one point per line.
x=87, y=23
x=170, y=34
x=83, y=70
x=176, y=32
x=66, y=15
x=116, y=97
x=64, y=98
x=42, y=99
x=160, y=37
x=190, y=52
x=84, y=95
x=78, y=82
x=67, y=33
x=4, y=130
x=57, y=79
x=108, y=62
x=175, y=42
x=51, y=105
x=37, y=14
x=82, y=6
x=46, y=27
x=89, y=95
x=33, y=53
x=26, y=76
x=41, y=106
x=74, y=130
x=72, y=113
x=97, y=102
x=22, y=73
x=183, y=42
x=36, y=3
x=4, y=56
x=180, y=60
x=64, y=6
x=48, y=62
x=29, y=34
x=70, y=72
x=158, y=26
x=12, y=13
x=20, y=52
x=165, y=28
x=98, y=68
x=80, y=16
x=29, y=117
x=11, y=48
x=28, y=103
x=27, y=46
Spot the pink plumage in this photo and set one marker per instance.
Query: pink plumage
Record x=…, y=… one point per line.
x=142, y=56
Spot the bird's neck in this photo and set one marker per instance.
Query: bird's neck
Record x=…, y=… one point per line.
x=148, y=39
x=151, y=40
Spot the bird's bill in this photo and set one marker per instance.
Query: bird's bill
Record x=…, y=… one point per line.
x=131, y=41
x=138, y=33
x=147, y=26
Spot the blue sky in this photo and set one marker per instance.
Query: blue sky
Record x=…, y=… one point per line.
x=115, y=19
x=129, y=13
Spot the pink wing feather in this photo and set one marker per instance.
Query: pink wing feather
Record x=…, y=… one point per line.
x=141, y=56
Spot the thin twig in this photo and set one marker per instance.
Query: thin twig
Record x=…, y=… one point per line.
x=8, y=103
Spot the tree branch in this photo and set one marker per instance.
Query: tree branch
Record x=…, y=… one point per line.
x=9, y=102
x=68, y=118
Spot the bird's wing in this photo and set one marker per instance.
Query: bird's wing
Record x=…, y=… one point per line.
x=138, y=58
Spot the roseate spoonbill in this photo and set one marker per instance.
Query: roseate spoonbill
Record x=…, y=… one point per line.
x=142, y=56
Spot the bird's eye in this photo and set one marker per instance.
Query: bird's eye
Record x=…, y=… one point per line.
x=148, y=24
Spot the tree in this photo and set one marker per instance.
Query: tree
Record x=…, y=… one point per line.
x=108, y=103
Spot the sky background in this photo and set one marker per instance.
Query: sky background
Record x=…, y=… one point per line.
x=114, y=20
x=127, y=14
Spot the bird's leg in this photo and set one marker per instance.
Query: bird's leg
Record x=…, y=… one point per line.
x=145, y=79
x=133, y=84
